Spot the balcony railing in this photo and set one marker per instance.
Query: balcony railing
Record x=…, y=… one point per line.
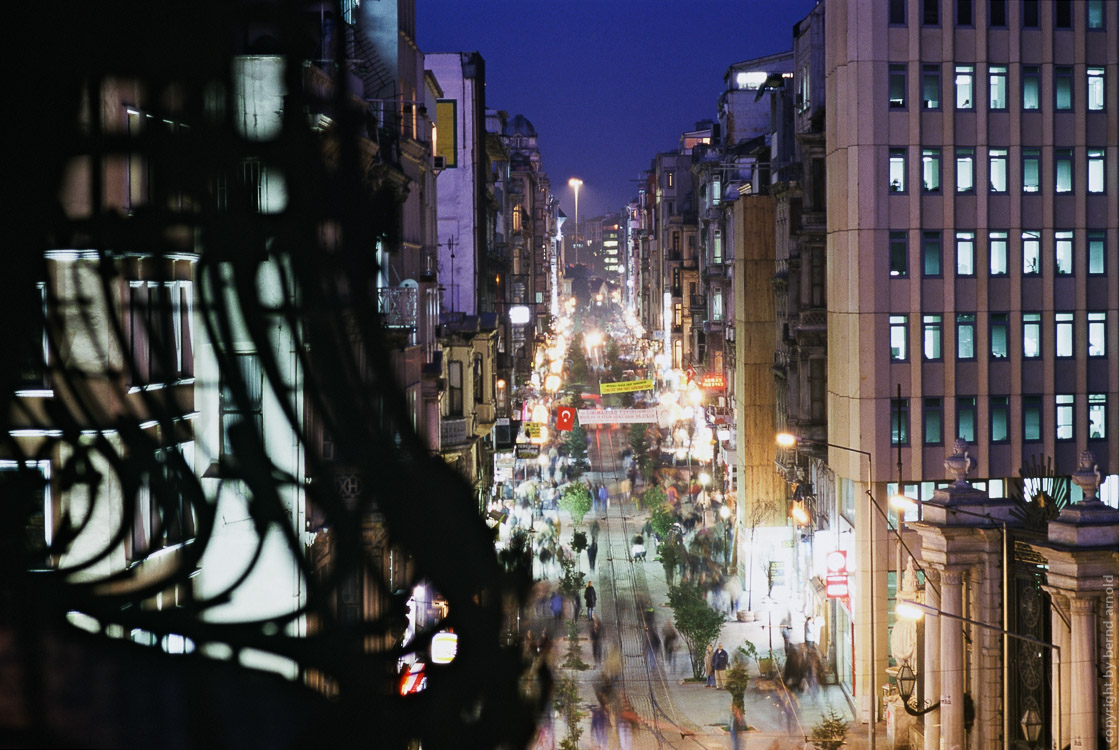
x=397, y=306
x=813, y=320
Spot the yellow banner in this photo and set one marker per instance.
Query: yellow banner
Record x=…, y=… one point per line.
x=532, y=430
x=625, y=386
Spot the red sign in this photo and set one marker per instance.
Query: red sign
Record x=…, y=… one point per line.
x=713, y=380
x=691, y=373
x=565, y=418
x=836, y=586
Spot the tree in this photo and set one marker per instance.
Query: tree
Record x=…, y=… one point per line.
x=566, y=698
x=653, y=498
x=576, y=500
x=670, y=552
x=571, y=582
x=831, y=732
x=576, y=447
x=697, y=623
x=580, y=372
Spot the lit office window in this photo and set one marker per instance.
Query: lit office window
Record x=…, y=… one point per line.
x=899, y=255
x=1095, y=170
x=1031, y=253
x=997, y=162
x=1064, y=322
x=1031, y=170
x=1097, y=416
x=1000, y=419
x=899, y=338
x=1097, y=334
x=1096, y=242
x=930, y=86
x=930, y=170
x=1000, y=335
x=932, y=326
x=997, y=245
x=933, y=419
x=1031, y=335
x=1095, y=89
x=1064, y=416
x=1031, y=87
x=997, y=83
x=965, y=170
x=1062, y=250
x=965, y=253
x=965, y=418
x=965, y=86
x=965, y=335
x=897, y=170
x=1062, y=85
x=1095, y=14
x=1063, y=171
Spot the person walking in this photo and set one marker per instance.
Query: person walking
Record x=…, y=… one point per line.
x=592, y=553
x=720, y=661
x=596, y=641
x=811, y=632
x=600, y=725
x=557, y=606
x=590, y=596
x=669, y=640
x=709, y=666
x=603, y=497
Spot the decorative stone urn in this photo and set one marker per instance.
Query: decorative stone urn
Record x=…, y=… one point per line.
x=1087, y=478
x=959, y=463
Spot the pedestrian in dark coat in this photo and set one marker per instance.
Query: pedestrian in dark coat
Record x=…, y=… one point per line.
x=592, y=553
x=596, y=640
x=590, y=596
x=669, y=645
x=720, y=660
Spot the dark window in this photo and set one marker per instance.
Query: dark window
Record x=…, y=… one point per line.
x=899, y=254
x=930, y=254
x=1000, y=419
x=930, y=15
x=899, y=421
x=897, y=12
x=897, y=86
x=241, y=401
x=479, y=391
x=1000, y=335
x=1031, y=418
x=996, y=14
x=930, y=86
x=454, y=389
x=965, y=418
x=934, y=432
x=964, y=14
x=1031, y=14
x=1063, y=14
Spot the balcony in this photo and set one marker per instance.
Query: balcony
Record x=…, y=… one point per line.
x=699, y=302
x=453, y=431
x=397, y=306
x=484, y=414
x=812, y=321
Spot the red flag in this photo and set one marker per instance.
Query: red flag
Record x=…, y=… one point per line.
x=565, y=418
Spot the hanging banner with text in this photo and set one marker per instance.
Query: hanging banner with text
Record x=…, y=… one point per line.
x=625, y=386
x=617, y=416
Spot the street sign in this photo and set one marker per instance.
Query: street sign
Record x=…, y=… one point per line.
x=527, y=450
x=713, y=381
x=836, y=586
x=617, y=416
x=625, y=386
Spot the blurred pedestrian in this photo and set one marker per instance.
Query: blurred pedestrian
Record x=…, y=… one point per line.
x=590, y=596
x=596, y=640
x=600, y=726
x=592, y=553
x=737, y=727
x=669, y=636
x=557, y=606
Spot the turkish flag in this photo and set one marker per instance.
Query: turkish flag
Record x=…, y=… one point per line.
x=565, y=418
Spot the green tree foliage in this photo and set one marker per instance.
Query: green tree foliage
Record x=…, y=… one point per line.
x=576, y=500
x=566, y=700
x=576, y=447
x=661, y=519
x=831, y=732
x=697, y=623
x=670, y=552
x=577, y=356
x=653, y=498
x=639, y=439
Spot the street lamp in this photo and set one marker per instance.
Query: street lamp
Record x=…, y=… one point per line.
x=575, y=183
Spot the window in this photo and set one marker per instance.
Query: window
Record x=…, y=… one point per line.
x=717, y=246
x=930, y=86
x=996, y=13
x=897, y=12
x=1064, y=415
x=933, y=422
x=1031, y=335
x=899, y=255
x=1063, y=171
x=35, y=352
x=997, y=249
x=1031, y=170
x=998, y=87
x=670, y=179
x=998, y=170
x=1097, y=334
x=899, y=338
x=1062, y=86
x=965, y=87
x=964, y=13
x=1095, y=170
x=897, y=170
x=897, y=86
x=930, y=170
x=454, y=388
x=1097, y=416
x=1095, y=14
x=965, y=170
x=965, y=418
x=1095, y=89
x=716, y=304
x=930, y=15
x=478, y=379
x=1031, y=14
x=1031, y=418
x=1000, y=335
x=899, y=421
x=965, y=335
x=1031, y=253
x=1031, y=87
x=1064, y=334
x=1000, y=419
x=1096, y=241
x=240, y=400
x=965, y=253
x=930, y=254
x=931, y=335
x=1062, y=249
x=1063, y=14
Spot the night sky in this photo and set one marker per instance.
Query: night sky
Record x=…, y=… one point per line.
x=607, y=83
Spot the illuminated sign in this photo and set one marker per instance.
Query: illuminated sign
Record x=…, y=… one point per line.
x=713, y=380
x=444, y=646
x=617, y=416
x=519, y=315
x=625, y=386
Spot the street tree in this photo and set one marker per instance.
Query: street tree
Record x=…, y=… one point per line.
x=576, y=500
x=696, y=622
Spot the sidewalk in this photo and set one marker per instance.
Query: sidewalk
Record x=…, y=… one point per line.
x=675, y=711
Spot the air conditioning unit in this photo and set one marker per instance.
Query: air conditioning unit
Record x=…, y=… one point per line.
x=439, y=162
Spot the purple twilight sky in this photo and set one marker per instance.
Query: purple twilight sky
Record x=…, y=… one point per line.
x=607, y=83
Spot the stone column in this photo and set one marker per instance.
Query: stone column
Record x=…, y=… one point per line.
x=952, y=660
x=1082, y=694
x=932, y=661
x=1062, y=677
